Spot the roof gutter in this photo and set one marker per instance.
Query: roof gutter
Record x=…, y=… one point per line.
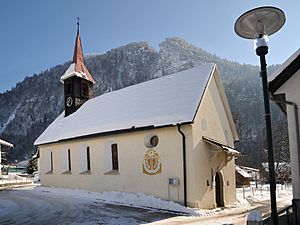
x=107, y=133
x=296, y=123
x=184, y=164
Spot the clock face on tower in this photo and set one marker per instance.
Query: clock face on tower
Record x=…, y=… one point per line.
x=69, y=101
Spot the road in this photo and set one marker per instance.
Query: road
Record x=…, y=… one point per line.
x=236, y=216
x=27, y=206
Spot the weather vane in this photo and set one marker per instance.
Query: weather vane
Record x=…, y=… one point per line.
x=78, y=19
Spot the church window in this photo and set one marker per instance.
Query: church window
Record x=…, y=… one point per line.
x=88, y=159
x=151, y=141
x=48, y=159
x=68, y=87
x=65, y=159
x=154, y=140
x=114, y=154
x=69, y=159
x=51, y=161
x=84, y=89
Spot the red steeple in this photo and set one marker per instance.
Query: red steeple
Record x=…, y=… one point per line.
x=78, y=59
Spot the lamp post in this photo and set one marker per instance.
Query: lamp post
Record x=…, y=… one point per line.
x=258, y=24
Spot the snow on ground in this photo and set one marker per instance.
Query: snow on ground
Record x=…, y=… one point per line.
x=13, y=179
x=262, y=193
x=139, y=200
x=245, y=199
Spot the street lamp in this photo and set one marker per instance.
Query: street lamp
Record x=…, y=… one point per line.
x=258, y=24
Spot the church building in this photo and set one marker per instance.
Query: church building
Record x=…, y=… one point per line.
x=171, y=137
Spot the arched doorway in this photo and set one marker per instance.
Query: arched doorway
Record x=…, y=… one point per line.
x=219, y=190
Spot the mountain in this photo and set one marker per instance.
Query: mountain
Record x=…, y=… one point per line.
x=34, y=103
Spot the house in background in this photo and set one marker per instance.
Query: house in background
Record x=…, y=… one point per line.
x=254, y=173
x=242, y=177
x=4, y=145
x=284, y=86
x=172, y=137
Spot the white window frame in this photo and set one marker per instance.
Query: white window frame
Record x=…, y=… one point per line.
x=48, y=159
x=83, y=158
x=65, y=160
x=107, y=157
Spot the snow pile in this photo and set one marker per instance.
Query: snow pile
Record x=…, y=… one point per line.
x=12, y=179
x=240, y=202
x=139, y=200
x=253, y=195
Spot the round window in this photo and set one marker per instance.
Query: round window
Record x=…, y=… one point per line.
x=151, y=141
x=154, y=140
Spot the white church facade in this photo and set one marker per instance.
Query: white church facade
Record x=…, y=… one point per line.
x=172, y=137
x=284, y=87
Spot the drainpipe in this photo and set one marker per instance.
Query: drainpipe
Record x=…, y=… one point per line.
x=184, y=165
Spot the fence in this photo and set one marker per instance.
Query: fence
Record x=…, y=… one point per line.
x=287, y=216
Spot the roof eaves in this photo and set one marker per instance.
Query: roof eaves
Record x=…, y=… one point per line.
x=285, y=72
x=129, y=130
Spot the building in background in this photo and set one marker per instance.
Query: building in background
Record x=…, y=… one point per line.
x=4, y=145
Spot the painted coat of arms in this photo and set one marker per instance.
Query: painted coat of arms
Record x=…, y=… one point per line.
x=151, y=163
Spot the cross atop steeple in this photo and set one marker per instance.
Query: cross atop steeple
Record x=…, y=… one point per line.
x=78, y=67
x=78, y=19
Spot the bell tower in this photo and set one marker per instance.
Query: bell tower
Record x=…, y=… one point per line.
x=77, y=80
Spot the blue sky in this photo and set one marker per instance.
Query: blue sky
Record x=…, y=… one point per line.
x=38, y=34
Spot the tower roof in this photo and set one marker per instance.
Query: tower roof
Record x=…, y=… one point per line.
x=78, y=68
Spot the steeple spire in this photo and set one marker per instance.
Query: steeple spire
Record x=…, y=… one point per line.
x=77, y=80
x=78, y=67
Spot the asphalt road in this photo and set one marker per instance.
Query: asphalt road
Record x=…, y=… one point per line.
x=27, y=206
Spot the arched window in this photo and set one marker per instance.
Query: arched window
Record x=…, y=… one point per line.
x=114, y=156
x=88, y=159
x=69, y=159
x=51, y=161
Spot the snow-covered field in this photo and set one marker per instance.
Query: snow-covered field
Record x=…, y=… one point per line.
x=13, y=179
x=135, y=208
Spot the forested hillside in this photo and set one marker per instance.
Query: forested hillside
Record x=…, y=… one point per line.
x=31, y=106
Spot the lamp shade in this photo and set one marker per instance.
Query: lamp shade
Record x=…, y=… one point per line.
x=260, y=21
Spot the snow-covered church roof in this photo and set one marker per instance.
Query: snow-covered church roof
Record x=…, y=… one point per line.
x=168, y=100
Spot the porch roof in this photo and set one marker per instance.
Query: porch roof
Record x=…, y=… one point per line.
x=227, y=149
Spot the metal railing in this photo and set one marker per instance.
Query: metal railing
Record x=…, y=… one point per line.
x=286, y=217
